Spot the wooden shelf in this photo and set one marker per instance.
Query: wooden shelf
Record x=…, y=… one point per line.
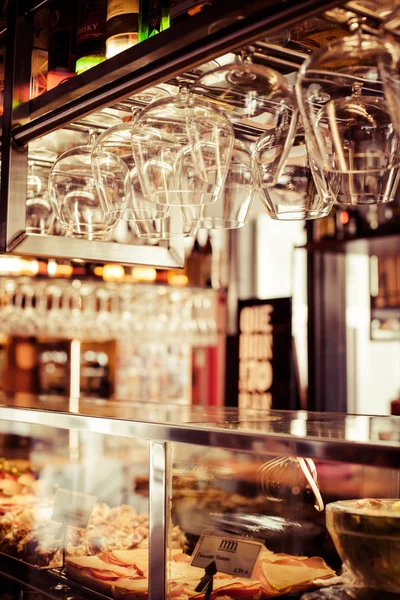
x=385, y=312
x=382, y=245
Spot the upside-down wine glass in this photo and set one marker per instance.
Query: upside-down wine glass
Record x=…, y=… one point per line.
x=296, y=195
x=74, y=196
x=182, y=148
x=353, y=145
x=257, y=96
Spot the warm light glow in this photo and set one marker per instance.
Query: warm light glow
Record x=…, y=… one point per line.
x=177, y=279
x=112, y=272
x=144, y=274
x=98, y=271
x=344, y=217
x=65, y=270
x=14, y=264
x=52, y=268
x=33, y=266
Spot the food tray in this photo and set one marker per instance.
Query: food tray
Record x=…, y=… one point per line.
x=43, y=580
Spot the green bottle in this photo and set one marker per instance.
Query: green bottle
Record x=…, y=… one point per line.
x=153, y=17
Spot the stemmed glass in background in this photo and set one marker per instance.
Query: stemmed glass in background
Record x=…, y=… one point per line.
x=99, y=311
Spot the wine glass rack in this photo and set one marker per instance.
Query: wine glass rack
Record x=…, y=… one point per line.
x=172, y=57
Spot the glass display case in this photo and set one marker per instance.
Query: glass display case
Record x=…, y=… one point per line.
x=120, y=500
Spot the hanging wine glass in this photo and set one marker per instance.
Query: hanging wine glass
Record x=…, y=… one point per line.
x=39, y=215
x=299, y=192
x=151, y=94
x=113, y=163
x=258, y=96
x=350, y=135
x=74, y=197
x=169, y=227
x=181, y=147
x=389, y=63
x=233, y=207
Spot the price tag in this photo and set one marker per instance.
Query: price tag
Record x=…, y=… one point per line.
x=72, y=508
x=234, y=556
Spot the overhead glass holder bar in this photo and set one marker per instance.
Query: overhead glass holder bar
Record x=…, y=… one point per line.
x=14, y=165
x=153, y=62
x=226, y=27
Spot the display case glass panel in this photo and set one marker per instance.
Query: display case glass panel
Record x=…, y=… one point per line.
x=105, y=506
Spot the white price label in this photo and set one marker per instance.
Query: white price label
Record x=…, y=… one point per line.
x=72, y=508
x=231, y=555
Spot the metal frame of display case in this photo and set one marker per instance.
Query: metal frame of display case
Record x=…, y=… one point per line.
x=226, y=27
x=202, y=430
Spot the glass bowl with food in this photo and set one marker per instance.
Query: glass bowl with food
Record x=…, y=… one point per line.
x=366, y=534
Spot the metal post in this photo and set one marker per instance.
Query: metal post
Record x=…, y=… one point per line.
x=16, y=92
x=159, y=503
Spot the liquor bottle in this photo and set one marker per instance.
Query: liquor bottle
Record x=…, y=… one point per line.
x=193, y=266
x=2, y=63
x=91, y=34
x=154, y=17
x=61, y=54
x=206, y=263
x=39, y=62
x=122, y=25
x=3, y=14
x=179, y=9
x=325, y=228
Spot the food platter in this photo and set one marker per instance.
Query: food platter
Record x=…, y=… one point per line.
x=46, y=580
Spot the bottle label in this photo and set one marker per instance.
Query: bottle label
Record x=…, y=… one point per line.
x=122, y=17
x=155, y=17
x=116, y=8
x=321, y=38
x=91, y=20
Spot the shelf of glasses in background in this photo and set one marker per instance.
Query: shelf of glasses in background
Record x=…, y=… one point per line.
x=112, y=340
x=98, y=311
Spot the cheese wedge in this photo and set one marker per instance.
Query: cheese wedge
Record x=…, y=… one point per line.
x=95, y=563
x=139, y=558
x=283, y=577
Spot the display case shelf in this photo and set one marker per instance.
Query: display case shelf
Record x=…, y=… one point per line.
x=354, y=438
x=202, y=472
